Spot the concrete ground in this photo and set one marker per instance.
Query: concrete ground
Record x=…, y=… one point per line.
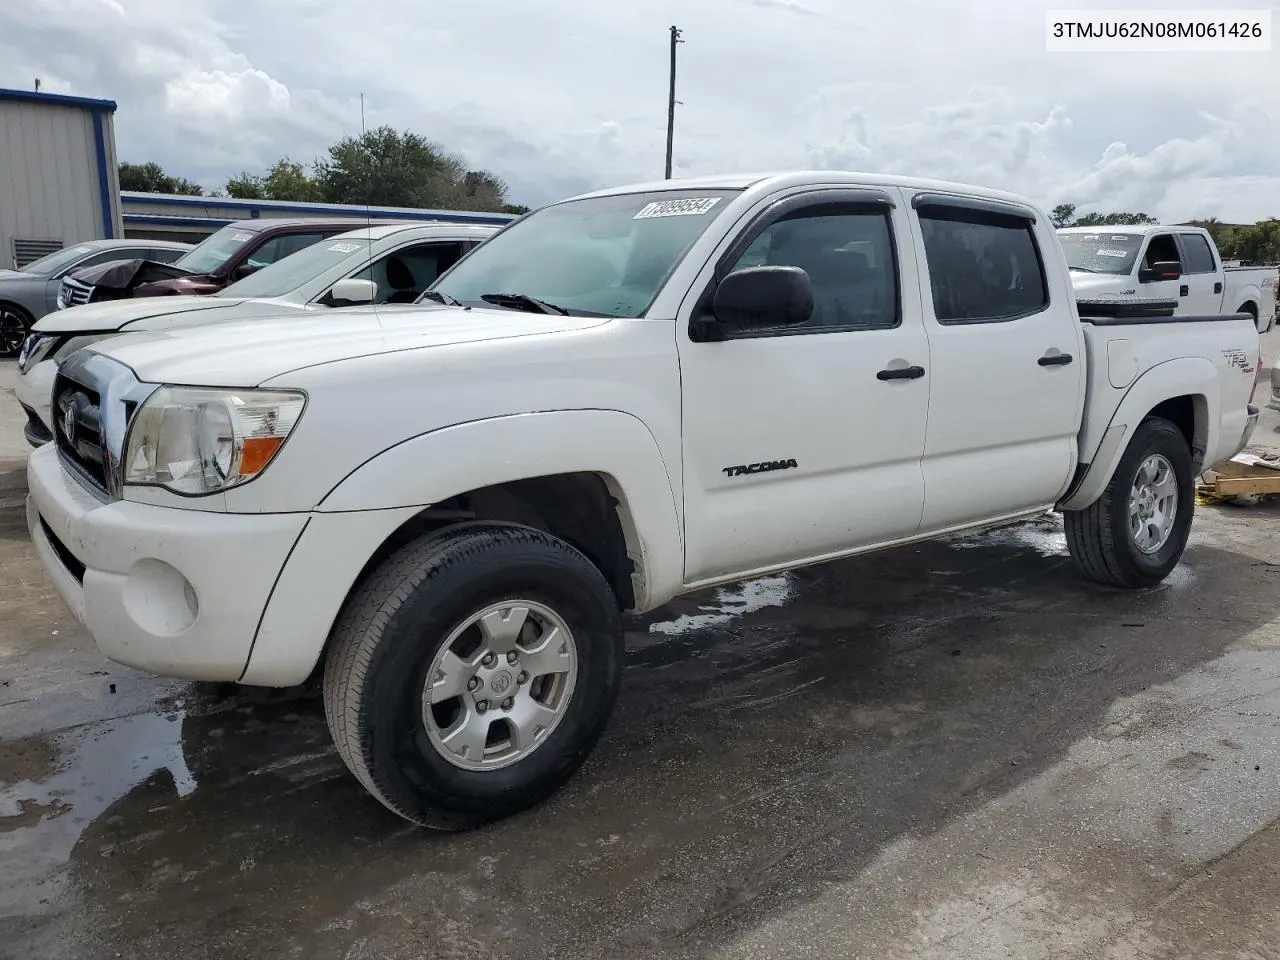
x=954, y=751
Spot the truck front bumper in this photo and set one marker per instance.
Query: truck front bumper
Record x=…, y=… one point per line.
x=167, y=590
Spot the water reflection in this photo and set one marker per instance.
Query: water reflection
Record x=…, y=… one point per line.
x=96, y=765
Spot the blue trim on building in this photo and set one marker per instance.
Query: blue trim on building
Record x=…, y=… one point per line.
x=31, y=96
x=258, y=207
x=174, y=221
x=104, y=177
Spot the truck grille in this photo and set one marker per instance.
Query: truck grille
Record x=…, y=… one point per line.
x=73, y=293
x=77, y=430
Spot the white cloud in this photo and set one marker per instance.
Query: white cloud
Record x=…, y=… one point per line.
x=557, y=97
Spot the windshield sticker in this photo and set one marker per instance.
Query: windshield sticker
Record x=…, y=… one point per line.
x=346, y=247
x=1105, y=252
x=79, y=250
x=240, y=236
x=693, y=207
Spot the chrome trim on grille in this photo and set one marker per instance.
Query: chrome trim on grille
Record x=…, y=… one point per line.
x=95, y=398
x=73, y=293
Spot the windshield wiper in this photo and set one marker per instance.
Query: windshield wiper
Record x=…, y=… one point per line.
x=439, y=297
x=522, y=301
x=1082, y=270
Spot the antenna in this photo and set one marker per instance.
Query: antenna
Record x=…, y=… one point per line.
x=368, y=198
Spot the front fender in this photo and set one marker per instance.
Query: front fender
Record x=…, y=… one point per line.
x=441, y=464
x=1193, y=376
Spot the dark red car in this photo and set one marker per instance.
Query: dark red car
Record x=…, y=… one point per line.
x=230, y=254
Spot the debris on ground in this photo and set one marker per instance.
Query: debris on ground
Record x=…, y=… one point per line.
x=1246, y=479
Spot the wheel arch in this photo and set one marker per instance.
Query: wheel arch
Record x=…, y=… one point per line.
x=1184, y=391
x=594, y=478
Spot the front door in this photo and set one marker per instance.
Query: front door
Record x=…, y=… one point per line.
x=1008, y=368
x=805, y=442
x=1162, y=247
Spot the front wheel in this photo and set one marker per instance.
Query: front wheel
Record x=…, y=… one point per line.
x=1135, y=533
x=15, y=324
x=472, y=673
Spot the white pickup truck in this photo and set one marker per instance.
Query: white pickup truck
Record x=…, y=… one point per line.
x=617, y=399
x=1167, y=263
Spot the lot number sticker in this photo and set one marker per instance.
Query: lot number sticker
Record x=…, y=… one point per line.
x=1106, y=252
x=345, y=247
x=693, y=207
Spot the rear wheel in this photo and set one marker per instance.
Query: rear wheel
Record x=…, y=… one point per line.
x=1135, y=533
x=15, y=324
x=472, y=674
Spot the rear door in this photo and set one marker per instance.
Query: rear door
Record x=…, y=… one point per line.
x=802, y=442
x=1201, y=283
x=1008, y=367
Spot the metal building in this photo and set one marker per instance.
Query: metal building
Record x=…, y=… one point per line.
x=58, y=175
x=161, y=216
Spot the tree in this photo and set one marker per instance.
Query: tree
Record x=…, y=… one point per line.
x=1064, y=215
x=286, y=180
x=1113, y=220
x=151, y=178
x=1256, y=244
x=387, y=168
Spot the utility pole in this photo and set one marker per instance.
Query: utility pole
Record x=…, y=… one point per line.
x=671, y=98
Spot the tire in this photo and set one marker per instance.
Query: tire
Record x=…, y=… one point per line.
x=1100, y=537
x=386, y=643
x=15, y=324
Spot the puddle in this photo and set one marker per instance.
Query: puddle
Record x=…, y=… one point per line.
x=731, y=603
x=1044, y=535
x=97, y=765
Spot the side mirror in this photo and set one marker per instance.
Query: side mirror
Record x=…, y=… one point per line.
x=758, y=297
x=1163, y=270
x=346, y=293
x=242, y=271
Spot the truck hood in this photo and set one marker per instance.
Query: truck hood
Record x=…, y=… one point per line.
x=248, y=352
x=115, y=314
x=1095, y=285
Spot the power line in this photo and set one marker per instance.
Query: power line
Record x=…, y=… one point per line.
x=671, y=98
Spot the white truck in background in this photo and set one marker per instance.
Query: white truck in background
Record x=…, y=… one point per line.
x=1167, y=263
x=617, y=399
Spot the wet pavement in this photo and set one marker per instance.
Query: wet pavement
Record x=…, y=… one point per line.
x=948, y=751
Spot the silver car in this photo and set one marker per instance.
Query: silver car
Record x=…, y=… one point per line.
x=29, y=293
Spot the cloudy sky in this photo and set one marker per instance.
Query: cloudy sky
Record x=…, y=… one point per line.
x=560, y=96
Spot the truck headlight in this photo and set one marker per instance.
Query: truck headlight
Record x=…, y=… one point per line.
x=198, y=440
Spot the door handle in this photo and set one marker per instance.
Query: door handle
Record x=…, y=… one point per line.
x=1054, y=360
x=901, y=373
x=1183, y=290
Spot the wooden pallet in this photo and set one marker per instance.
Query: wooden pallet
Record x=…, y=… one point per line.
x=1232, y=478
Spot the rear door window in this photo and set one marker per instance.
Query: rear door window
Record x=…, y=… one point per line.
x=983, y=267
x=1197, y=257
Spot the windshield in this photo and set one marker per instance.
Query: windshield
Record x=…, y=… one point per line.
x=601, y=256
x=215, y=250
x=289, y=273
x=1101, y=252
x=51, y=264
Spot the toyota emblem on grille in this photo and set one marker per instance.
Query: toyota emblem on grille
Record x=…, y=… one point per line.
x=69, y=418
